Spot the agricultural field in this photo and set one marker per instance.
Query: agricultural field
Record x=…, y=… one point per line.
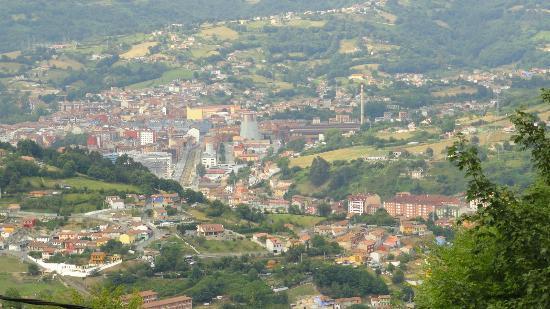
x=454, y=91
x=339, y=154
x=219, y=32
x=10, y=67
x=306, y=23
x=138, y=50
x=205, y=246
x=297, y=220
x=65, y=63
x=13, y=274
x=166, y=77
x=301, y=292
x=80, y=183
x=348, y=46
x=11, y=55
x=204, y=51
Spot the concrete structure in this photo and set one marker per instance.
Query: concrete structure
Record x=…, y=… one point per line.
x=249, y=127
x=159, y=163
x=73, y=270
x=203, y=112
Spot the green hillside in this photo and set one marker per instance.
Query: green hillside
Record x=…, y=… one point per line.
x=39, y=21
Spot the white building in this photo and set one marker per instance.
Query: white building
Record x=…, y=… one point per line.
x=159, y=163
x=359, y=204
x=115, y=202
x=209, y=160
x=274, y=245
x=146, y=137
x=194, y=133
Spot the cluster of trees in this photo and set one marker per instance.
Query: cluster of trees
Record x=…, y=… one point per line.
x=380, y=218
x=317, y=246
x=346, y=281
x=236, y=277
x=340, y=178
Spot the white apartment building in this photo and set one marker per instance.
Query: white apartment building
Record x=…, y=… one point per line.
x=209, y=160
x=146, y=137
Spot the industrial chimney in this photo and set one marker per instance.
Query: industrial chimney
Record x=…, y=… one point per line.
x=362, y=107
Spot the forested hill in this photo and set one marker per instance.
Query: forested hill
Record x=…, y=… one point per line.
x=38, y=21
x=435, y=33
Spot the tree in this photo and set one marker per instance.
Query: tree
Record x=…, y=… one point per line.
x=29, y=148
x=324, y=209
x=201, y=170
x=69, y=169
x=398, y=276
x=501, y=259
x=429, y=152
x=12, y=293
x=33, y=269
x=319, y=171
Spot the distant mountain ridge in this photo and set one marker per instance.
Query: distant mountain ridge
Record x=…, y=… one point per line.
x=24, y=23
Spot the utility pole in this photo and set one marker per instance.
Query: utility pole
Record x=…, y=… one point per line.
x=362, y=107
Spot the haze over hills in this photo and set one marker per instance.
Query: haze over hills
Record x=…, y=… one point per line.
x=432, y=33
x=42, y=21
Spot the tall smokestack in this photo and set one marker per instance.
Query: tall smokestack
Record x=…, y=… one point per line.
x=362, y=107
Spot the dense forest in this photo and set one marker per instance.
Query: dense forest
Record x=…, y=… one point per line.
x=39, y=21
x=437, y=34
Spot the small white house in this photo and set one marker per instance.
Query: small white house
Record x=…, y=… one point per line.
x=274, y=245
x=115, y=202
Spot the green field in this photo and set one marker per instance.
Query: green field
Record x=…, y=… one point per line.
x=80, y=183
x=302, y=291
x=138, y=50
x=12, y=275
x=348, y=46
x=305, y=23
x=10, y=264
x=221, y=32
x=226, y=246
x=204, y=51
x=166, y=77
x=10, y=67
x=298, y=220
x=339, y=154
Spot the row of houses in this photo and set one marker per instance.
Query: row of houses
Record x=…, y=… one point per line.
x=407, y=205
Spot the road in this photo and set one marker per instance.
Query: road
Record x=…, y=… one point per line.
x=157, y=235
x=189, y=172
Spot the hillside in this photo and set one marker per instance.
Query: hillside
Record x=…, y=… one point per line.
x=468, y=33
x=38, y=21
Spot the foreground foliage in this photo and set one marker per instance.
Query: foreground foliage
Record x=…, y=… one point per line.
x=503, y=261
